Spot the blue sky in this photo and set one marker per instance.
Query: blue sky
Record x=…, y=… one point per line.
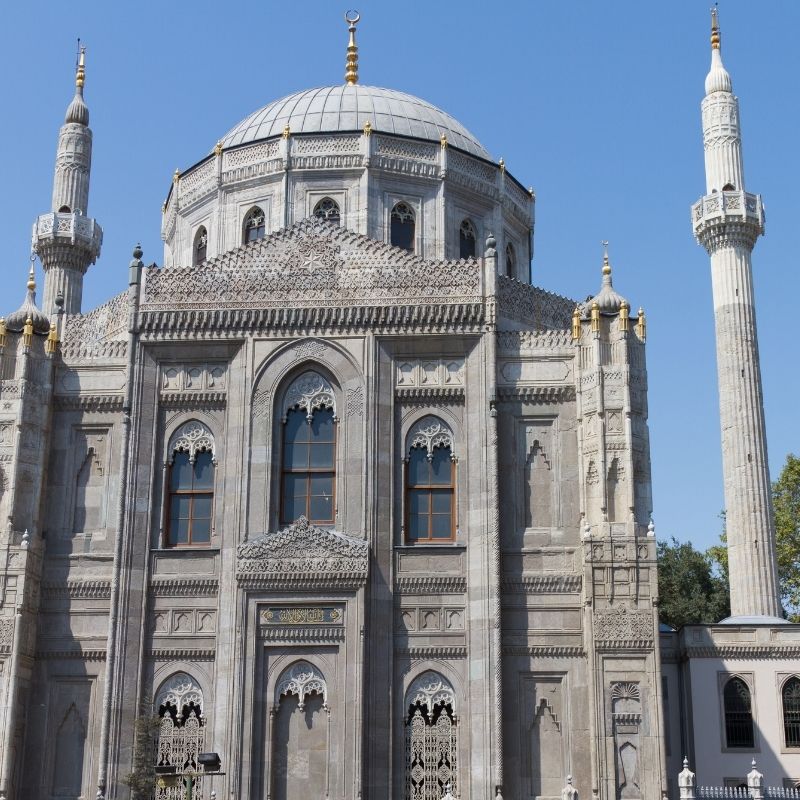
x=594, y=104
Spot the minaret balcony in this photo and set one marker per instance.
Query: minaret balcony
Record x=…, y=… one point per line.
x=62, y=228
x=720, y=208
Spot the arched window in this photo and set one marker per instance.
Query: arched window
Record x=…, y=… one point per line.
x=200, y=246
x=64, y=210
x=511, y=261
x=191, y=486
x=181, y=732
x=309, y=451
x=403, y=227
x=738, y=714
x=254, y=226
x=430, y=483
x=431, y=738
x=791, y=712
x=466, y=240
x=327, y=209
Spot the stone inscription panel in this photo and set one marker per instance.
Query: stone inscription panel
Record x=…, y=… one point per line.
x=302, y=615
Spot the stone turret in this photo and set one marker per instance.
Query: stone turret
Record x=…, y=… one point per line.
x=727, y=220
x=66, y=240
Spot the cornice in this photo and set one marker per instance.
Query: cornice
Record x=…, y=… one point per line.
x=104, y=403
x=762, y=652
x=181, y=654
x=83, y=655
x=431, y=652
x=425, y=394
x=431, y=584
x=193, y=399
x=623, y=645
x=309, y=634
x=77, y=590
x=537, y=394
x=343, y=582
x=185, y=587
x=544, y=584
x=545, y=651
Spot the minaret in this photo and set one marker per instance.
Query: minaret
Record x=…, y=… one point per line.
x=66, y=240
x=727, y=221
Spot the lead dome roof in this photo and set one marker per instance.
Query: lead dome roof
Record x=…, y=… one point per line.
x=348, y=107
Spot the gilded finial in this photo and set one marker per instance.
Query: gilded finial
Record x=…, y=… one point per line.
x=27, y=332
x=218, y=148
x=443, y=141
x=715, y=37
x=2, y=332
x=31, y=279
x=287, y=132
x=367, y=128
x=595, y=317
x=351, y=67
x=80, y=68
x=52, y=340
x=641, y=325
x=576, y=324
x=624, y=316
x=502, y=164
x=606, y=265
x=176, y=176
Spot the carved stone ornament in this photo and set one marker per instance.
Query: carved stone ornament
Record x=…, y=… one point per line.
x=192, y=438
x=429, y=689
x=303, y=553
x=179, y=690
x=622, y=624
x=302, y=679
x=429, y=433
x=309, y=392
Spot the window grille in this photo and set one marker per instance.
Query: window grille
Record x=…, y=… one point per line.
x=791, y=712
x=200, y=246
x=327, y=209
x=738, y=714
x=511, y=261
x=403, y=227
x=254, y=225
x=466, y=240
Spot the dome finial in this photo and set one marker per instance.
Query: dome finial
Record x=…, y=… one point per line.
x=606, y=265
x=80, y=69
x=715, y=39
x=351, y=68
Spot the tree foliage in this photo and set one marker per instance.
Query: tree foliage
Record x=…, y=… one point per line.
x=786, y=500
x=691, y=586
x=142, y=780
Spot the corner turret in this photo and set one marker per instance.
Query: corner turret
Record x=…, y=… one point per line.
x=66, y=240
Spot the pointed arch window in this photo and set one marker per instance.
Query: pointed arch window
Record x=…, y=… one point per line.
x=430, y=483
x=431, y=738
x=466, y=240
x=327, y=209
x=511, y=261
x=192, y=463
x=181, y=730
x=738, y=714
x=790, y=699
x=308, y=471
x=403, y=227
x=200, y=251
x=254, y=226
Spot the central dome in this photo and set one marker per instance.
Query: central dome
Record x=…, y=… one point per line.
x=348, y=107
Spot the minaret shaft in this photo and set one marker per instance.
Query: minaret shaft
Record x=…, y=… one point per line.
x=73, y=167
x=727, y=221
x=748, y=503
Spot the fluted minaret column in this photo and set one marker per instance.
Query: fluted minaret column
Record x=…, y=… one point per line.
x=66, y=240
x=727, y=221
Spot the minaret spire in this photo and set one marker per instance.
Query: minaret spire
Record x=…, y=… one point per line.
x=727, y=221
x=66, y=241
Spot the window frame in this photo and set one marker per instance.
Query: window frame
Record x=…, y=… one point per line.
x=466, y=227
x=784, y=681
x=308, y=471
x=725, y=679
x=413, y=214
x=250, y=213
x=510, y=268
x=327, y=217
x=429, y=489
x=168, y=543
x=196, y=260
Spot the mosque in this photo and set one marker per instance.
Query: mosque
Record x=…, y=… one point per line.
x=335, y=504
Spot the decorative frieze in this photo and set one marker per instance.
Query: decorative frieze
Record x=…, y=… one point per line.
x=77, y=590
x=421, y=373
x=623, y=625
x=424, y=653
x=184, y=621
x=536, y=394
x=544, y=584
x=193, y=378
x=431, y=584
x=545, y=651
x=181, y=654
x=185, y=587
x=302, y=635
x=95, y=403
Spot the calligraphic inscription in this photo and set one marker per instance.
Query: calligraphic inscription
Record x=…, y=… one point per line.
x=302, y=615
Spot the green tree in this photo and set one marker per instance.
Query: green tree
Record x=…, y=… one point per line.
x=142, y=780
x=691, y=586
x=786, y=499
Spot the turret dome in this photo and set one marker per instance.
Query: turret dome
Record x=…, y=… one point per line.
x=348, y=107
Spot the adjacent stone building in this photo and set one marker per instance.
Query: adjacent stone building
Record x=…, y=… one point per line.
x=335, y=492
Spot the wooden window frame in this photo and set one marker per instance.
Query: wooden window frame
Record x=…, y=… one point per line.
x=192, y=493
x=752, y=743
x=309, y=471
x=785, y=723
x=407, y=489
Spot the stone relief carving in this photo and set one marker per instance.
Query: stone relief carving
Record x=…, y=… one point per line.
x=302, y=679
x=179, y=690
x=427, y=372
x=626, y=707
x=429, y=433
x=355, y=402
x=303, y=550
x=308, y=392
x=260, y=407
x=622, y=624
x=309, y=349
x=192, y=438
x=429, y=689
